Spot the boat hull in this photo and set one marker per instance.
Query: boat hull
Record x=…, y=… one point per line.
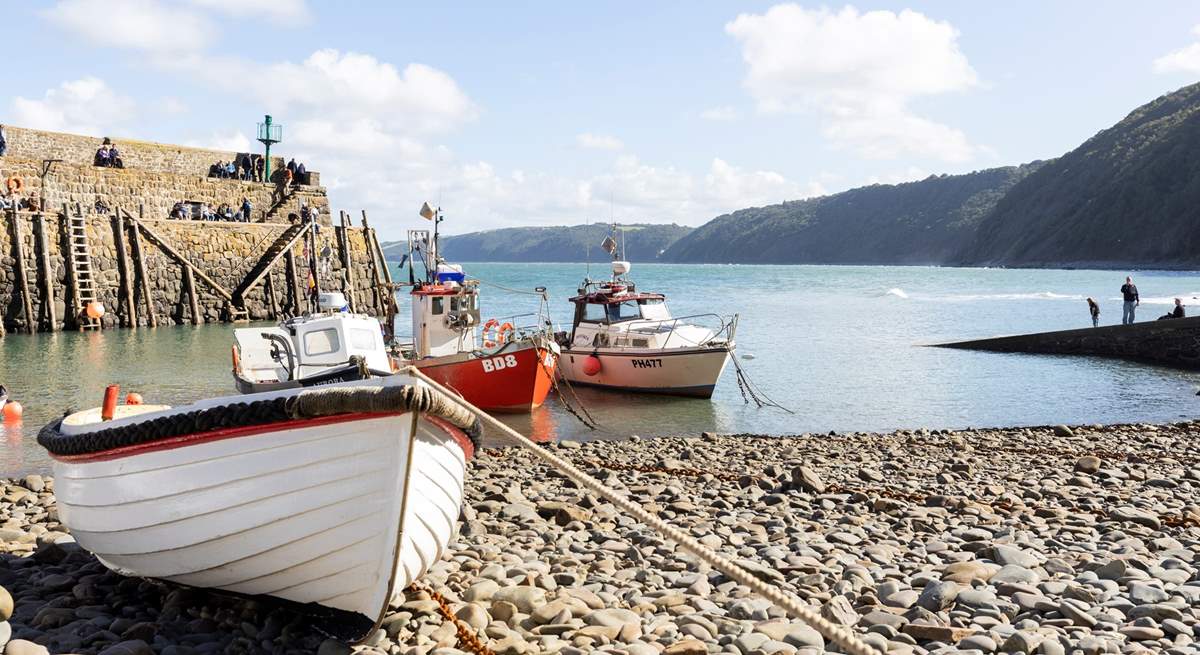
x=516, y=378
x=691, y=372
x=341, y=511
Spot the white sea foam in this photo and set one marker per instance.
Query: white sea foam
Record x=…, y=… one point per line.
x=897, y=292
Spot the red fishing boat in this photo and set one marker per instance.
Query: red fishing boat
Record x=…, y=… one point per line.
x=498, y=365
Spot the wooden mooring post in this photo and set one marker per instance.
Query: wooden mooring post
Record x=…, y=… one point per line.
x=124, y=271
x=343, y=241
x=135, y=239
x=22, y=272
x=43, y=246
x=293, y=281
x=189, y=285
x=272, y=301
x=378, y=295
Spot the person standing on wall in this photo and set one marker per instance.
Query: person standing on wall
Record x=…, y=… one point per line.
x=1094, y=310
x=3, y=142
x=246, y=209
x=1130, y=293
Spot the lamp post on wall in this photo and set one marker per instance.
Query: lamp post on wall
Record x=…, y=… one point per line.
x=268, y=134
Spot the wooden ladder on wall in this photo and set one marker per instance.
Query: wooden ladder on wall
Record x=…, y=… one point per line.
x=85, y=276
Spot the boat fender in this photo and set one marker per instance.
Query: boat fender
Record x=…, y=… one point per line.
x=591, y=365
x=13, y=411
x=133, y=398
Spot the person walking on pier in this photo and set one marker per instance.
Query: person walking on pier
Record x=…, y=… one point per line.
x=1130, y=293
x=1094, y=310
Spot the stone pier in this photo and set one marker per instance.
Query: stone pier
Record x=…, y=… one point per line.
x=1174, y=343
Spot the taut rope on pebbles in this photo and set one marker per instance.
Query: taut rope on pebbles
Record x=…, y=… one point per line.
x=796, y=608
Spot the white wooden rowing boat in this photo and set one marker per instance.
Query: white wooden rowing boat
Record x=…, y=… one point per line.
x=339, y=508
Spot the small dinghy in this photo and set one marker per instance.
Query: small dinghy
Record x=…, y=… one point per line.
x=339, y=496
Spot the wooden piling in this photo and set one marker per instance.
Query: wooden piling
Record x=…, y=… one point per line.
x=43, y=244
x=124, y=271
x=189, y=283
x=343, y=241
x=293, y=281
x=22, y=273
x=272, y=301
x=377, y=295
x=73, y=307
x=135, y=240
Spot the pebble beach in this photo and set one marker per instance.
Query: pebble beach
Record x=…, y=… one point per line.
x=1052, y=540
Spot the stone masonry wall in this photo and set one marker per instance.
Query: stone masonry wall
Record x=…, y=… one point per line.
x=224, y=251
x=142, y=155
x=156, y=191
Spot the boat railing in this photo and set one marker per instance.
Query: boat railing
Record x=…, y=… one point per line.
x=725, y=333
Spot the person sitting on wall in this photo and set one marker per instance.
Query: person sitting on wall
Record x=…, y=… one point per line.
x=103, y=157
x=101, y=207
x=1174, y=313
x=206, y=212
x=114, y=157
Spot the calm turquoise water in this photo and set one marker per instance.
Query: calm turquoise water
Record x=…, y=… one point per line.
x=839, y=345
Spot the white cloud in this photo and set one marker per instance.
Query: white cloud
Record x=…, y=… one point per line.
x=147, y=25
x=1182, y=60
x=282, y=12
x=231, y=141
x=173, y=106
x=84, y=106
x=598, y=141
x=859, y=71
x=720, y=114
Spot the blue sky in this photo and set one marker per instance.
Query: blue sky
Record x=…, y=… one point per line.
x=562, y=113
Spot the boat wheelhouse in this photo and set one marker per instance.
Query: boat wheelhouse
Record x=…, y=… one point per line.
x=311, y=350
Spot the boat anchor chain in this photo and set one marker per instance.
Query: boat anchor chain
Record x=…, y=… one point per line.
x=750, y=392
x=467, y=639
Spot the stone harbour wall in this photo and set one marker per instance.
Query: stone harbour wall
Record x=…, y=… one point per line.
x=155, y=192
x=1174, y=342
x=142, y=155
x=226, y=252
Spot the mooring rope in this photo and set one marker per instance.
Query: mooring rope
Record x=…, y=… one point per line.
x=848, y=640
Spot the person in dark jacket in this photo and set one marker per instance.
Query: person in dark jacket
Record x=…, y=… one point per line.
x=1174, y=313
x=1130, y=293
x=1094, y=310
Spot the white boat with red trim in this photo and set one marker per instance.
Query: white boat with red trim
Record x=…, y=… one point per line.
x=624, y=339
x=339, y=496
x=499, y=365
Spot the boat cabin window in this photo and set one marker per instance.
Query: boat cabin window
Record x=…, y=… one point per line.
x=593, y=313
x=626, y=311
x=362, y=339
x=655, y=309
x=462, y=303
x=436, y=306
x=322, y=342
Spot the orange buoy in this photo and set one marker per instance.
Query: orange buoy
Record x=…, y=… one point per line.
x=12, y=411
x=95, y=309
x=133, y=398
x=591, y=365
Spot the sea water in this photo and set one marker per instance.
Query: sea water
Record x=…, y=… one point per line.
x=842, y=347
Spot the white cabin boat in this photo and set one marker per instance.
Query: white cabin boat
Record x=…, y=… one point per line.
x=338, y=496
x=627, y=340
x=312, y=350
